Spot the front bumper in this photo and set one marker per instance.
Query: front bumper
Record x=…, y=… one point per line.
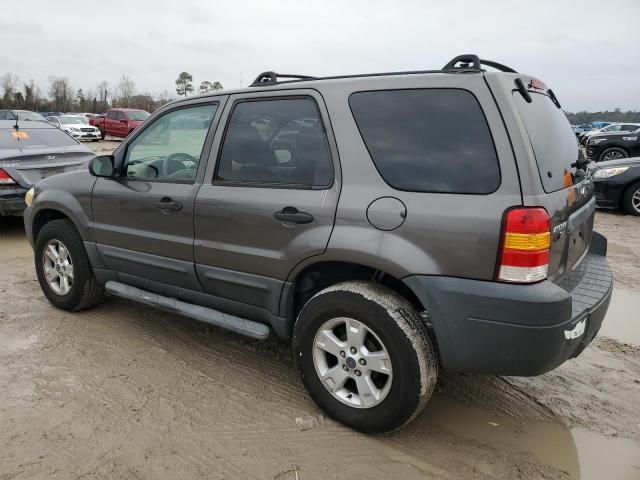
x=609, y=191
x=12, y=201
x=506, y=329
x=86, y=135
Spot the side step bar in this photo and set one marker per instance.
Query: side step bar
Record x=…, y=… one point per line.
x=203, y=314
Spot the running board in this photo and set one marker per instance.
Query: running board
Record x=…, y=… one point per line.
x=203, y=314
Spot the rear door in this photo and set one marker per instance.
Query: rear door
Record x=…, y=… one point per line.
x=143, y=220
x=568, y=196
x=269, y=198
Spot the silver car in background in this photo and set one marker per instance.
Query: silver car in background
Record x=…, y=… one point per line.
x=31, y=152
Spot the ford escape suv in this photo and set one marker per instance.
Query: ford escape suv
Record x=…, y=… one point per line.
x=389, y=225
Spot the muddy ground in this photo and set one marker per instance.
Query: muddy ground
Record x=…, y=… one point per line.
x=124, y=391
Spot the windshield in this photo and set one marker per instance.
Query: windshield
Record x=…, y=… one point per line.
x=35, y=138
x=31, y=116
x=72, y=120
x=138, y=115
x=553, y=142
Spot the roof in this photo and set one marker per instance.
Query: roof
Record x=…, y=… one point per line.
x=462, y=64
x=24, y=124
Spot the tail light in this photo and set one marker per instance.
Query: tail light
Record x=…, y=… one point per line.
x=526, y=238
x=5, y=179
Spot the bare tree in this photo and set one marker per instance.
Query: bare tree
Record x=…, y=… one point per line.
x=126, y=90
x=103, y=95
x=61, y=93
x=9, y=83
x=31, y=95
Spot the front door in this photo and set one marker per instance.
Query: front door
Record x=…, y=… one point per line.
x=271, y=200
x=143, y=220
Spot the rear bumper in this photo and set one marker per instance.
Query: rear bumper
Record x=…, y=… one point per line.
x=12, y=201
x=505, y=329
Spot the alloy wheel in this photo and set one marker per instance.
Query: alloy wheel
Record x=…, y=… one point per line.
x=352, y=362
x=58, y=267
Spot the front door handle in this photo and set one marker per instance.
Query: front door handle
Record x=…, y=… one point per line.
x=292, y=215
x=167, y=205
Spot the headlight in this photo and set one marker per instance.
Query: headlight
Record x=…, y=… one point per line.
x=28, y=197
x=593, y=141
x=609, y=172
x=74, y=129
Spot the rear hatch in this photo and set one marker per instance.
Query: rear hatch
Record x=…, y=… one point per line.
x=31, y=155
x=568, y=191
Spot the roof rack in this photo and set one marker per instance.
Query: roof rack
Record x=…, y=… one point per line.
x=459, y=64
x=471, y=62
x=271, y=78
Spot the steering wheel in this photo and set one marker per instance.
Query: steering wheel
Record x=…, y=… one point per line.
x=175, y=162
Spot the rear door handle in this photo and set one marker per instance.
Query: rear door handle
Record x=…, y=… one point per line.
x=292, y=215
x=167, y=205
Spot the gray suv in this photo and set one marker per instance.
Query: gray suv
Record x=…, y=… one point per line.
x=388, y=225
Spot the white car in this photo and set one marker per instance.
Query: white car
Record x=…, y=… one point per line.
x=76, y=126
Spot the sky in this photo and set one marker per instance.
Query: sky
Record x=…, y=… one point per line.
x=587, y=51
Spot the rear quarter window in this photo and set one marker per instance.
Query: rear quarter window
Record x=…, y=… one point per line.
x=554, y=143
x=428, y=140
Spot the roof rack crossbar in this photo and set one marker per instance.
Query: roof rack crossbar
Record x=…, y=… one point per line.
x=471, y=62
x=271, y=78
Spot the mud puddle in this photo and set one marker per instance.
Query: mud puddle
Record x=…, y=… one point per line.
x=576, y=452
x=623, y=318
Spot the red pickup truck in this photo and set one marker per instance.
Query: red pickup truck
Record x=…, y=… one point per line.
x=118, y=122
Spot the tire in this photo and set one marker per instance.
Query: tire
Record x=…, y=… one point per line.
x=102, y=134
x=613, y=153
x=84, y=289
x=393, y=327
x=96, y=140
x=631, y=199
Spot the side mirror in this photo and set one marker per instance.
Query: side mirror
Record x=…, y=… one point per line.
x=102, y=166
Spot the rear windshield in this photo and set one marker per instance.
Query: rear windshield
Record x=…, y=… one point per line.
x=35, y=138
x=554, y=143
x=428, y=140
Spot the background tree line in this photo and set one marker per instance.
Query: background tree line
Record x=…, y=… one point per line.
x=61, y=96
x=607, y=116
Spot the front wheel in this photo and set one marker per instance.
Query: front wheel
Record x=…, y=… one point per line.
x=63, y=268
x=613, y=153
x=365, y=356
x=631, y=199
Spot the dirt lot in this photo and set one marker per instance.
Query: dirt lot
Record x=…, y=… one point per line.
x=124, y=391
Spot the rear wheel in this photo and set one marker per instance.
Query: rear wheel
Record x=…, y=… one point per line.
x=365, y=356
x=63, y=268
x=631, y=199
x=613, y=153
x=102, y=134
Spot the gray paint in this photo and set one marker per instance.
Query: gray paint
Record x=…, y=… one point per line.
x=386, y=213
x=225, y=250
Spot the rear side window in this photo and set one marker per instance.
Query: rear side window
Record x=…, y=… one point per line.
x=35, y=138
x=428, y=140
x=277, y=142
x=554, y=143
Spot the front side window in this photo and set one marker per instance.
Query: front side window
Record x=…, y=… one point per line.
x=428, y=140
x=277, y=142
x=112, y=115
x=170, y=149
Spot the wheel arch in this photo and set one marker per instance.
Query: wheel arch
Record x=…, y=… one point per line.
x=322, y=274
